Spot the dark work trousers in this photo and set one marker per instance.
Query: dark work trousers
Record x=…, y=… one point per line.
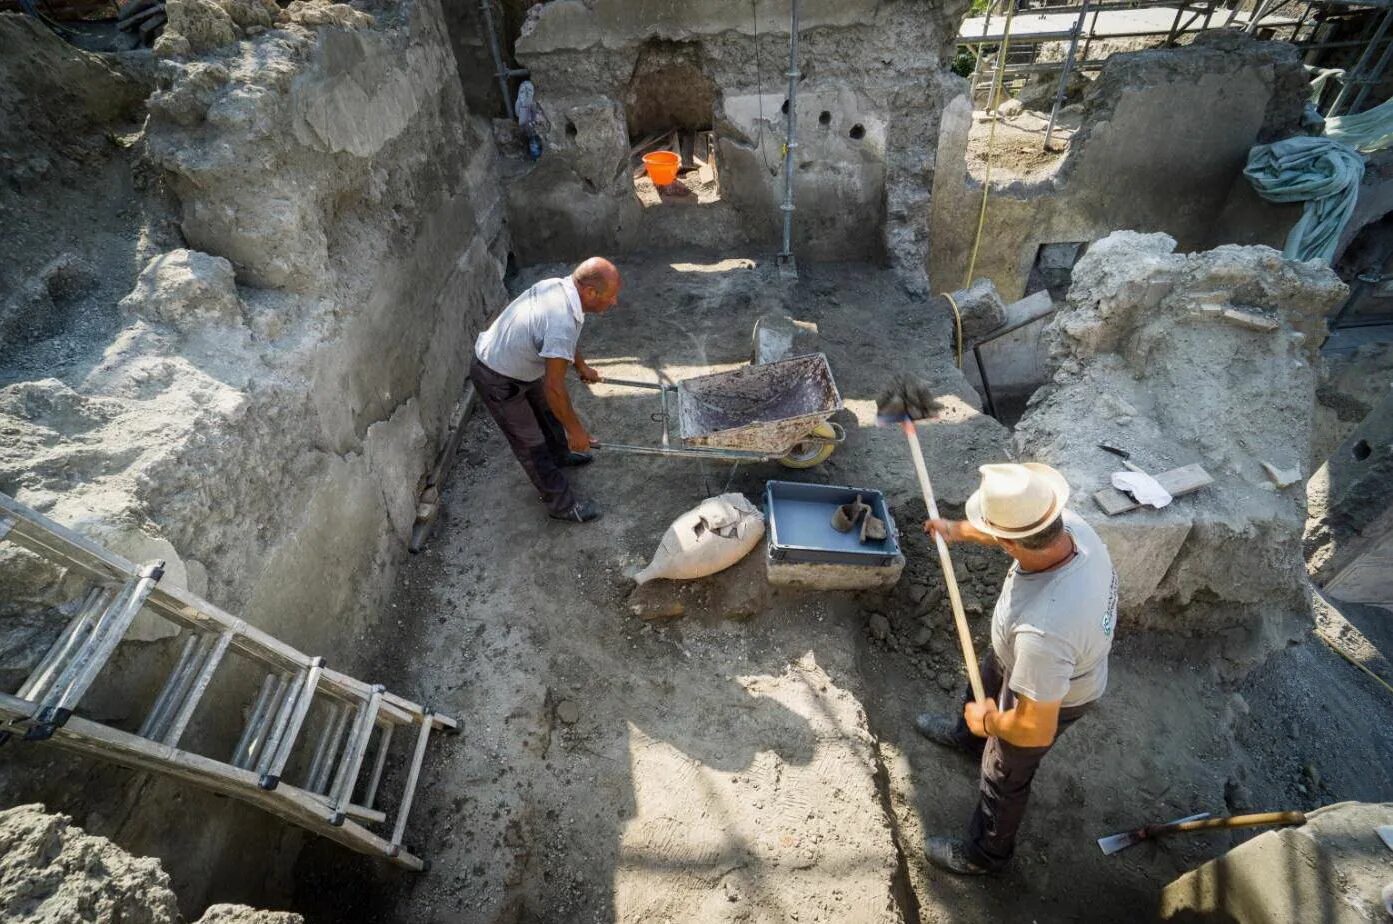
x=1007, y=772
x=532, y=430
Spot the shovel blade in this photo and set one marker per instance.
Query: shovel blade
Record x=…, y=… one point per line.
x=1117, y=842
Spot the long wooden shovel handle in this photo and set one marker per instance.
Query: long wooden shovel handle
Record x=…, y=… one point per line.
x=974, y=677
x=1235, y=821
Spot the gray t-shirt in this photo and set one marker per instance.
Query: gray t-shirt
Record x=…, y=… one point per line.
x=540, y=324
x=1052, y=630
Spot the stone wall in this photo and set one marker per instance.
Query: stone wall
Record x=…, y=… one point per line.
x=1165, y=136
x=51, y=870
x=1350, y=536
x=873, y=84
x=1179, y=359
x=273, y=387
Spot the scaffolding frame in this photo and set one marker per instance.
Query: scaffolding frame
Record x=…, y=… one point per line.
x=1301, y=22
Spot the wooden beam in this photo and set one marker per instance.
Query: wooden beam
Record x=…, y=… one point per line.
x=1178, y=481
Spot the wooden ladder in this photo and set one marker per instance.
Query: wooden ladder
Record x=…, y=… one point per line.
x=326, y=755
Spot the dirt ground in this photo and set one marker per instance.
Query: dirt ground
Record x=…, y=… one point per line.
x=755, y=760
x=1018, y=149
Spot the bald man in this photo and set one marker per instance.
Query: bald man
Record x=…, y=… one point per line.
x=519, y=370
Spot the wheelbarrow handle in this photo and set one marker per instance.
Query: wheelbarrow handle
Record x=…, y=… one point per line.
x=630, y=383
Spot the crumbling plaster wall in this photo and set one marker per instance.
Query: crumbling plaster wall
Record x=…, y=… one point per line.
x=274, y=390
x=1349, y=540
x=877, y=70
x=1205, y=358
x=1165, y=136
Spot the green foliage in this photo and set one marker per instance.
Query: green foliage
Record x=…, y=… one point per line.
x=962, y=63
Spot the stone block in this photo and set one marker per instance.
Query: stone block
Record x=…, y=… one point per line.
x=1331, y=869
x=821, y=576
x=186, y=288
x=981, y=309
x=1142, y=545
x=777, y=336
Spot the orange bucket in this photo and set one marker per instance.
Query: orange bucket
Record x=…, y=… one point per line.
x=661, y=166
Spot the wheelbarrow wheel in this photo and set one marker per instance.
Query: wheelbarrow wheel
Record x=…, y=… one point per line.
x=806, y=455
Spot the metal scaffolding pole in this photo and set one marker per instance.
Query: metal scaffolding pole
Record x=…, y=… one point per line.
x=1064, y=73
x=786, y=255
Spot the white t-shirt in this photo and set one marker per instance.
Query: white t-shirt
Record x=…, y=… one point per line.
x=540, y=324
x=1052, y=630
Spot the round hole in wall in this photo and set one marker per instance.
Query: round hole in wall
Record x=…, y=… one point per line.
x=1361, y=450
x=824, y=119
x=858, y=131
x=570, y=129
x=784, y=108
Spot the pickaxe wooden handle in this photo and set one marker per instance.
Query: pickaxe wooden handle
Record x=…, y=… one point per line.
x=974, y=677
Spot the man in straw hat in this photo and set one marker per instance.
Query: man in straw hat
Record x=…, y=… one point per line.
x=1051, y=631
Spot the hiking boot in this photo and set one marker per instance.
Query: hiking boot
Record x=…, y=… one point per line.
x=950, y=853
x=941, y=730
x=579, y=512
x=575, y=459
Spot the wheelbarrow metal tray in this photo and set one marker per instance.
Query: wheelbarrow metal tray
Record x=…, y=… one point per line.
x=768, y=408
x=799, y=526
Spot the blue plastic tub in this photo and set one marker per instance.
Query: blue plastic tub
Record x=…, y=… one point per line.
x=799, y=525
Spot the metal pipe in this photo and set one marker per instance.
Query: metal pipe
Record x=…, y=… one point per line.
x=1064, y=73
x=986, y=386
x=690, y=452
x=499, y=69
x=792, y=143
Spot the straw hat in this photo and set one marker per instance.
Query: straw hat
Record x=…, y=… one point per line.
x=1017, y=500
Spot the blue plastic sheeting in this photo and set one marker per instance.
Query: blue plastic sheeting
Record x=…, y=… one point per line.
x=1320, y=172
x=1364, y=131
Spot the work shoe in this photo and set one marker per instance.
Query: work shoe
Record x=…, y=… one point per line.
x=579, y=512
x=950, y=853
x=942, y=730
x=575, y=459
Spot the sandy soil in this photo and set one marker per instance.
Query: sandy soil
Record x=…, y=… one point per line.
x=755, y=760
x=1018, y=150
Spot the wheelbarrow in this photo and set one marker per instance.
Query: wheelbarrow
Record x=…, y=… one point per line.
x=774, y=411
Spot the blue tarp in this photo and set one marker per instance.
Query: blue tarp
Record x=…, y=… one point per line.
x=1365, y=131
x=1321, y=172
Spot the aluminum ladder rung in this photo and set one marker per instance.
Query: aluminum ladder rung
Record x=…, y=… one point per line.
x=175, y=685
x=341, y=794
x=327, y=750
x=187, y=683
x=384, y=743
x=91, y=656
x=262, y=712
x=413, y=776
x=68, y=641
x=282, y=741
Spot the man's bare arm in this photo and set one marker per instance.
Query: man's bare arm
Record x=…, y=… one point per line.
x=583, y=370
x=958, y=531
x=559, y=400
x=1028, y=724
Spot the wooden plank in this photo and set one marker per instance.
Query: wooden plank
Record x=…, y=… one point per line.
x=1178, y=481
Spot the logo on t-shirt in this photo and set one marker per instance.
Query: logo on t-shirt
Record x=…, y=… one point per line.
x=1110, y=614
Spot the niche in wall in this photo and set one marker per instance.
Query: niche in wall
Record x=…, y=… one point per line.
x=1053, y=269
x=669, y=106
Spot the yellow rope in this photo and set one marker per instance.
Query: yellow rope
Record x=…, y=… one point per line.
x=1330, y=643
x=957, y=326
x=992, y=102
